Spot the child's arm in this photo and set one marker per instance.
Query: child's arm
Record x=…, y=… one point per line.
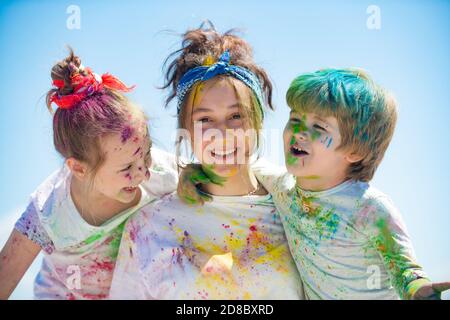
x=271, y=176
x=389, y=237
x=15, y=258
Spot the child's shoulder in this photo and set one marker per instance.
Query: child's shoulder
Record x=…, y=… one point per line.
x=375, y=204
x=52, y=190
x=34, y=221
x=273, y=177
x=163, y=160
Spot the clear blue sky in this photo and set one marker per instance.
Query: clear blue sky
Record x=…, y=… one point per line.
x=409, y=54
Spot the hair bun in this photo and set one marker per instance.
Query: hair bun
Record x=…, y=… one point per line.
x=65, y=70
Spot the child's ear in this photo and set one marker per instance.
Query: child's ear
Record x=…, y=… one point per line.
x=79, y=169
x=353, y=157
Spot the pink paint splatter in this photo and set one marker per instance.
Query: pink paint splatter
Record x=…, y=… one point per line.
x=71, y=296
x=133, y=234
x=104, y=265
x=253, y=228
x=94, y=296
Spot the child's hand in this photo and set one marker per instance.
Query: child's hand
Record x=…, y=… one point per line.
x=191, y=177
x=431, y=291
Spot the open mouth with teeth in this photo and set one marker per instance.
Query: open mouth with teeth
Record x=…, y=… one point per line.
x=130, y=189
x=222, y=155
x=298, y=151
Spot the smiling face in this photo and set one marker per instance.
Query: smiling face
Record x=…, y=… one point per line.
x=310, y=144
x=219, y=126
x=127, y=159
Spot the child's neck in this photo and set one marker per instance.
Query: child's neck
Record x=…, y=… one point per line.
x=94, y=207
x=242, y=183
x=317, y=183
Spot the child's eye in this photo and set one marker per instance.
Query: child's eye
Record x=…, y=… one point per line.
x=126, y=169
x=204, y=120
x=294, y=120
x=316, y=126
x=236, y=116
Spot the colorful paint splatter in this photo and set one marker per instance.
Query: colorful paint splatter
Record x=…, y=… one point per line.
x=233, y=248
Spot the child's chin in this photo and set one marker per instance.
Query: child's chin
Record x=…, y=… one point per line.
x=226, y=170
x=127, y=198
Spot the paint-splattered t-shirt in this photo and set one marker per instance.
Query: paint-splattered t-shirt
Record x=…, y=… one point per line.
x=79, y=258
x=230, y=248
x=348, y=242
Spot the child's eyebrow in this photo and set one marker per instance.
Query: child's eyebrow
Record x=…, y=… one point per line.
x=321, y=119
x=198, y=110
x=203, y=109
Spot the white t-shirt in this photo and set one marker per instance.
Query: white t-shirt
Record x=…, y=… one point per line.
x=79, y=258
x=231, y=248
x=349, y=242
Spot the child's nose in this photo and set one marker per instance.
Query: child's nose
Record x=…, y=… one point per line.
x=301, y=135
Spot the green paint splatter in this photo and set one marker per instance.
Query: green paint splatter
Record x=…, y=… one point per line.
x=212, y=176
x=115, y=243
x=290, y=159
x=94, y=238
x=327, y=224
x=292, y=141
x=400, y=266
x=315, y=135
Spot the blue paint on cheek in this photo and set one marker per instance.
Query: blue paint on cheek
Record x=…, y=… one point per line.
x=329, y=142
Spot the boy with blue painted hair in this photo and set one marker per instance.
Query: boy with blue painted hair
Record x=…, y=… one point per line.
x=347, y=238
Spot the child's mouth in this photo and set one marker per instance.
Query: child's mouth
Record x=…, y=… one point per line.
x=130, y=189
x=298, y=151
x=222, y=156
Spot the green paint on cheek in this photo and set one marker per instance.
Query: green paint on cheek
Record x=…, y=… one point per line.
x=315, y=135
x=290, y=159
x=292, y=141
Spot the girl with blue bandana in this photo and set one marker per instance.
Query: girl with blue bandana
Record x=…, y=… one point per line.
x=233, y=246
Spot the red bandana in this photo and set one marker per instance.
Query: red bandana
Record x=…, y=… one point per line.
x=85, y=85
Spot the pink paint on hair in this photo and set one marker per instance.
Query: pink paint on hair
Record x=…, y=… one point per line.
x=127, y=132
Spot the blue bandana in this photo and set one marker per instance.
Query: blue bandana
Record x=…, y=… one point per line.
x=223, y=66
